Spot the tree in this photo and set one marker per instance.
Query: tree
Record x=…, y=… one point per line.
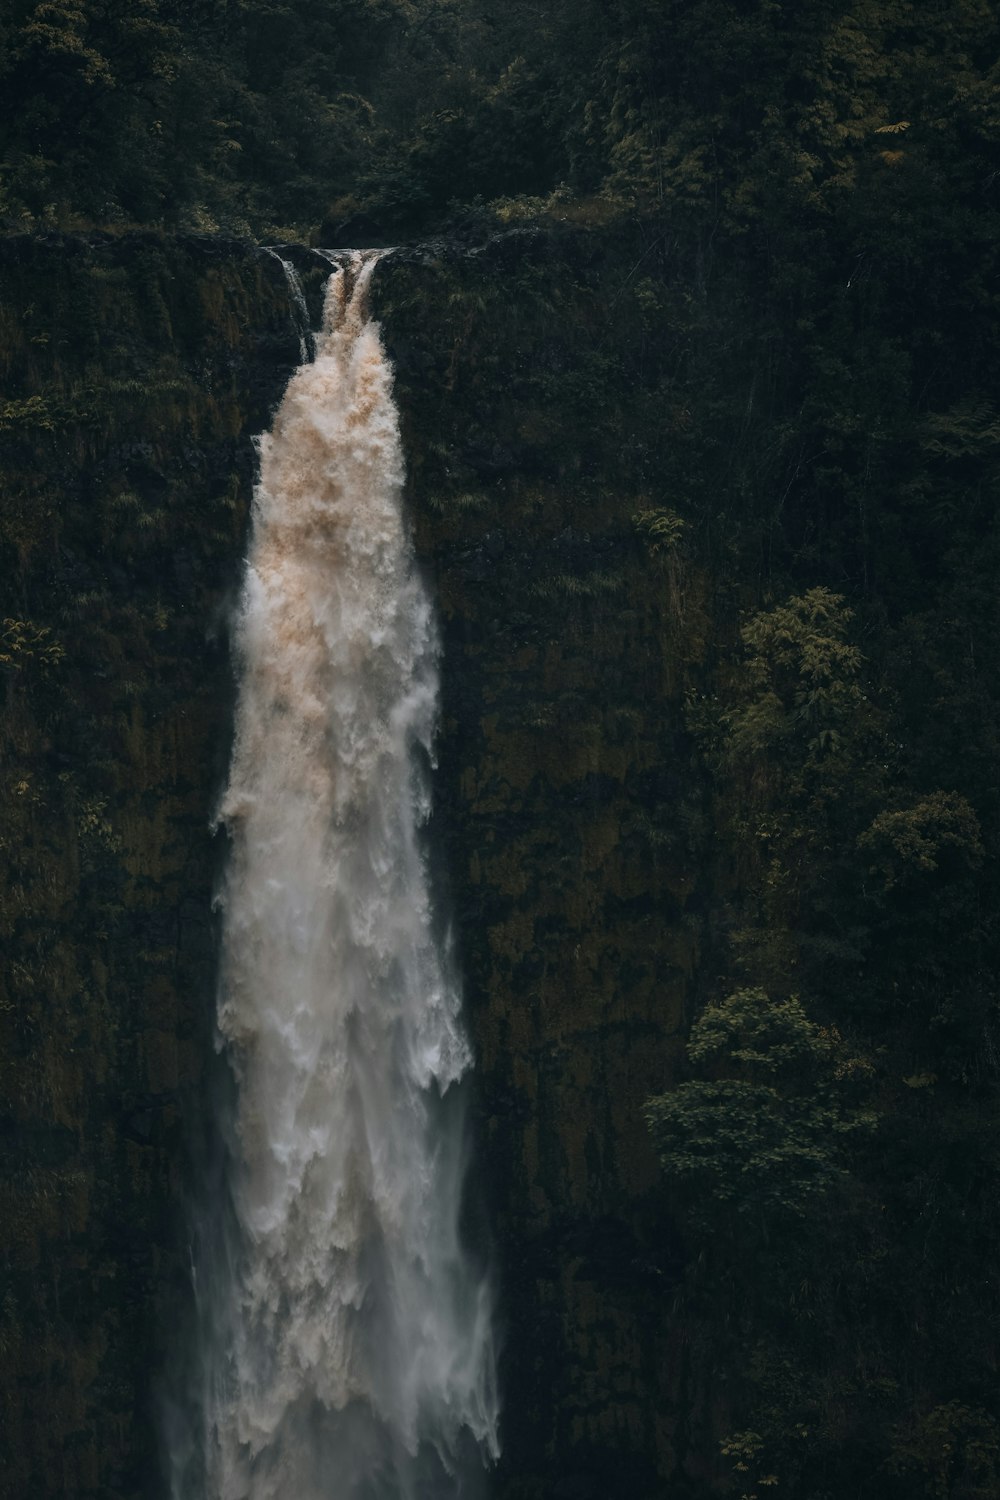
x=764, y=1130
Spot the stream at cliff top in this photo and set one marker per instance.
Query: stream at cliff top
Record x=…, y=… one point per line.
x=351, y=1353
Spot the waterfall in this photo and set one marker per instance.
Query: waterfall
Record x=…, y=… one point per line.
x=300, y=312
x=352, y=1353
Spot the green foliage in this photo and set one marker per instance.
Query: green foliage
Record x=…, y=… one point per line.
x=764, y=1133
x=761, y=1038
x=744, y=1449
x=914, y=840
x=951, y=1453
x=662, y=529
x=393, y=113
x=801, y=682
x=148, y=112
x=32, y=414
x=23, y=643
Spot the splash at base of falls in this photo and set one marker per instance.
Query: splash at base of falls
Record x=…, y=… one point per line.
x=350, y=1351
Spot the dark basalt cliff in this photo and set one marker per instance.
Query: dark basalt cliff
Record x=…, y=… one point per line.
x=136, y=370
x=570, y=808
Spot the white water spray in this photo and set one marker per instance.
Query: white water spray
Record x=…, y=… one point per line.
x=353, y=1355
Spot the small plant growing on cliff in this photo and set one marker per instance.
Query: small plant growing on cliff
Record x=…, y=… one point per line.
x=744, y=1450
x=22, y=642
x=663, y=530
x=33, y=414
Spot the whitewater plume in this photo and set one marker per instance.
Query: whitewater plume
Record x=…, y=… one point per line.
x=352, y=1355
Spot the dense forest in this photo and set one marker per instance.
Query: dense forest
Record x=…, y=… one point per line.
x=717, y=286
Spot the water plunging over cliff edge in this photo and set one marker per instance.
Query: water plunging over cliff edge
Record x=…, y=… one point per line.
x=353, y=1355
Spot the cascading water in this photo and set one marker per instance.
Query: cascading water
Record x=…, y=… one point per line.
x=300, y=312
x=352, y=1350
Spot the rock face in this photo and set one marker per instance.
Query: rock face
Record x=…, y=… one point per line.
x=135, y=370
x=566, y=831
x=569, y=813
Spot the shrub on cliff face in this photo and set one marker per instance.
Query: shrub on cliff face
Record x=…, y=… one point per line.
x=764, y=1130
x=905, y=844
x=951, y=1453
